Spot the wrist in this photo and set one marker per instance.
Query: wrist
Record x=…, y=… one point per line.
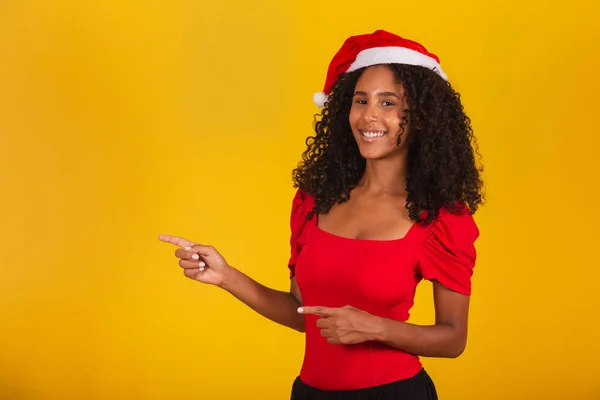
x=379, y=329
x=228, y=278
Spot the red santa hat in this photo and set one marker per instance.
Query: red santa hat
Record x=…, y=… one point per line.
x=379, y=47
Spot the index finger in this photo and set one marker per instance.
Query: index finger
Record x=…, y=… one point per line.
x=176, y=240
x=318, y=310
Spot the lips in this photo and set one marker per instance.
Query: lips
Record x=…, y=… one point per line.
x=371, y=135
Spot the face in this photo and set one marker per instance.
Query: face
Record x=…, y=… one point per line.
x=376, y=113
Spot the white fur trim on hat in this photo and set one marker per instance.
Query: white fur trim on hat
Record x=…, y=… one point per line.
x=320, y=98
x=395, y=55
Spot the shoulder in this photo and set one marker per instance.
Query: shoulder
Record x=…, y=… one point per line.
x=302, y=209
x=447, y=250
x=457, y=222
x=302, y=203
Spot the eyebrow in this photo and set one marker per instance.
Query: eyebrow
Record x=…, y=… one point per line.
x=382, y=94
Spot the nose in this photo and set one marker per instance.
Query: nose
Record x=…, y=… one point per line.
x=371, y=112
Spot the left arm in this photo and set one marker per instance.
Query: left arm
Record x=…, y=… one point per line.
x=447, y=338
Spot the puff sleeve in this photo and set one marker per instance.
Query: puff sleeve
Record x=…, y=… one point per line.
x=447, y=253
x=298, y=221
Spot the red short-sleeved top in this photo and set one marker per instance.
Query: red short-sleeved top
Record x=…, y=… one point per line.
x=378, y=276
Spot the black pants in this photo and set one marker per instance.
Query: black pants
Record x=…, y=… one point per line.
x=419, y=387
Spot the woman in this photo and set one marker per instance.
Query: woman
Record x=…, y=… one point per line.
x=386, y=193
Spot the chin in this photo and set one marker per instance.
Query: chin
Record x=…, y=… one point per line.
x=372, y=155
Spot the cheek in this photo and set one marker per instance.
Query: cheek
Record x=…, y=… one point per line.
x=393, y=122
x=354, y=117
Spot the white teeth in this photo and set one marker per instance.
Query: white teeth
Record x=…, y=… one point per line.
x=371, y=135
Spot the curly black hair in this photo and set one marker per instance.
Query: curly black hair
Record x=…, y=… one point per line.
x=442, y=170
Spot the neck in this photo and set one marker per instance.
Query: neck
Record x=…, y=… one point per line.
x=387, y=176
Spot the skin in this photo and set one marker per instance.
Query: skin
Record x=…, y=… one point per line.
x=205, y=264
x=376, y=211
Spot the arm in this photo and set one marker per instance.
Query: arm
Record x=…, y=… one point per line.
x=278, y=306
x=447, y=338
x=205, y=264
x=446, y=257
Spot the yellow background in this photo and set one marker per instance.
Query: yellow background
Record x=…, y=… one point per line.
x=121, y=120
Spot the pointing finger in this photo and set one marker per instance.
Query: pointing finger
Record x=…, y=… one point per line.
x=318, y=310
x=176, y=240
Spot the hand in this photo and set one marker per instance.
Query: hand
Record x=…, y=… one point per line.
x=199, y=262
x=345, y=325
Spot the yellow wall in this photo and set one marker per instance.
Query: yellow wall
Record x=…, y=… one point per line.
x=121, y=120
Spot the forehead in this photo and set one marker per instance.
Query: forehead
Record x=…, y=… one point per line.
x=378, y=77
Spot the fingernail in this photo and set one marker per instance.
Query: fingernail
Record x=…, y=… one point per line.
x=201, y=269
x=201, y=264
x=188, y=248
x=300, y=310
x=195, y=257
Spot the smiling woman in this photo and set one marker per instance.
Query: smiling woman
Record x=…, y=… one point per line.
x=385, y=196
x=377, y=111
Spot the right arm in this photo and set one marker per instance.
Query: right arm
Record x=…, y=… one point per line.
x=278, y=306
x=205, y=264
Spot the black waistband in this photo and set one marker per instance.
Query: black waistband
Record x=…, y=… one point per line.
x=419, y=387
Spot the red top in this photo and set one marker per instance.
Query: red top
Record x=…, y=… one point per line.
x=377, y=276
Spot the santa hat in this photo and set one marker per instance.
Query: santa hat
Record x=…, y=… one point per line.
x=379, y=47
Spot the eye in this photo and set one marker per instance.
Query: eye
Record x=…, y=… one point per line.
x=388, y=103
x=361, y=101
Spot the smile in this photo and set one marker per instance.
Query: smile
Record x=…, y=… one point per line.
x=370, y=136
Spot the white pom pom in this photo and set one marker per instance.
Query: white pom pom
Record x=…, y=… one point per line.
x=320, y=98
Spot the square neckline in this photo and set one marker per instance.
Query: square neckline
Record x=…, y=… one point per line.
x=355, y=240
